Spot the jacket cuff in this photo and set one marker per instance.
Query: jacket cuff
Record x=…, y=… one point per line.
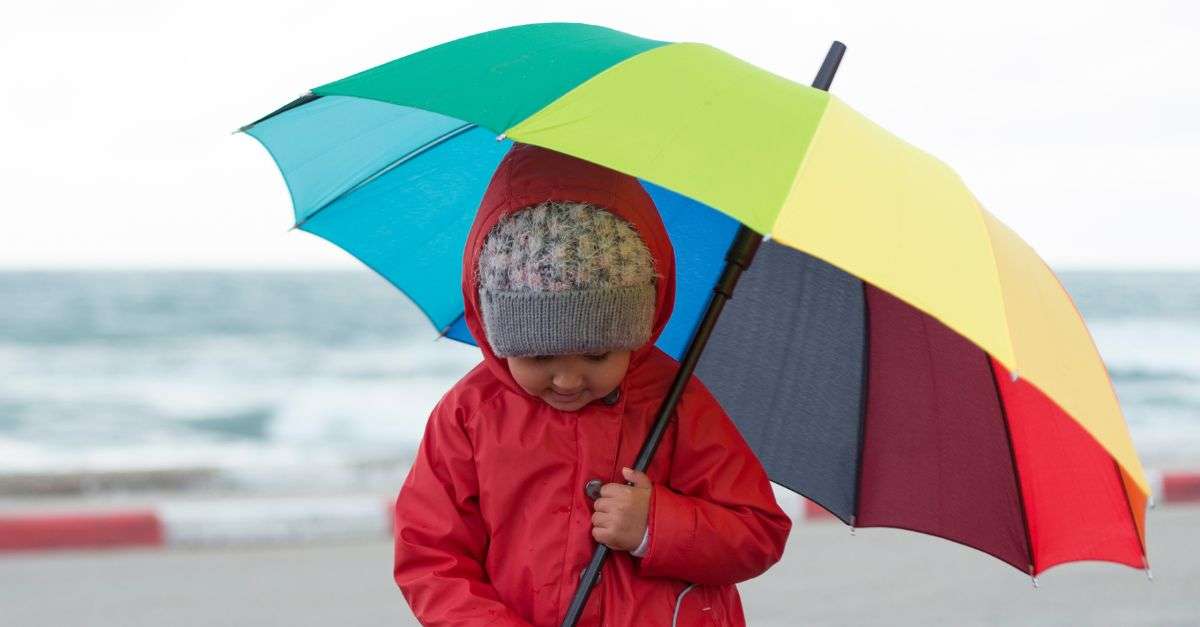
x=645, y=544
x=672, y=532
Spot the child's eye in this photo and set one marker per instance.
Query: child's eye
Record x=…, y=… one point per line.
x=542, y=357
x=600, y=357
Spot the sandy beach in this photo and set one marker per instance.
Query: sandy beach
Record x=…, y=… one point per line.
x=827, y=577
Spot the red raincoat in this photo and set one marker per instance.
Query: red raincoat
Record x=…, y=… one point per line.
x=492, y=524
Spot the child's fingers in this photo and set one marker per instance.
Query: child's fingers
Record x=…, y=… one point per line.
x=603, y=505
x=638, y=479
x=614, y=489
x=601, y=519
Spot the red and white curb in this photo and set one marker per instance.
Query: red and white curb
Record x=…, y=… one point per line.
x=1178, y=487
x=287, y=520
x=227, y=522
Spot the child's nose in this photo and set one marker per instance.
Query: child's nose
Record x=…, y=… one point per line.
x=567, y=380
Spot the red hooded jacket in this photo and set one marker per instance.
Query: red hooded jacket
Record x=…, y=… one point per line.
x=492, y=524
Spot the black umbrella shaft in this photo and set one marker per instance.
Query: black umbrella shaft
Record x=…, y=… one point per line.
x=737, y=260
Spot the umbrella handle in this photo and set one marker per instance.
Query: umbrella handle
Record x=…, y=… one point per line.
x=737, y=260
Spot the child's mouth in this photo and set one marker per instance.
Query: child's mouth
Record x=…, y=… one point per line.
x=559, y=396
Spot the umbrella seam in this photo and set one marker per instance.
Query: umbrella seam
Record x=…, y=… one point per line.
x=1141, y=474
x=612, y=34
x=996, y=271
x=935, y=418
x=818, y=129
x=863, y=402
x=406, y=157
x=1132, y=519
x=298, y=102
x=590, y=79
x=299, y=165
x=1012, y=456
x=614, y=67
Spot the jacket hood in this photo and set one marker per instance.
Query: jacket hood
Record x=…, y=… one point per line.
x=531, y=174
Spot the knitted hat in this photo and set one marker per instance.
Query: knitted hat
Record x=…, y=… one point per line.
x=564, y=277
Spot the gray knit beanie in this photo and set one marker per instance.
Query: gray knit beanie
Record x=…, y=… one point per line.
x=564, y=278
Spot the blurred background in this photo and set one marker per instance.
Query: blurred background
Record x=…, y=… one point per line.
x=165, y=338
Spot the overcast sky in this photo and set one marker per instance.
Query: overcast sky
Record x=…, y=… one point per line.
x=1077, y=124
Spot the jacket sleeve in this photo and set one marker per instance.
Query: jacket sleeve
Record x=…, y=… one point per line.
x=440, y=537
x=715, y=520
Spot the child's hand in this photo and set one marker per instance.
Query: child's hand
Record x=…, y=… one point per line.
x=619, y=518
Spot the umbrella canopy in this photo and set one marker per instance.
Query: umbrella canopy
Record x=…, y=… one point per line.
x=895, y=353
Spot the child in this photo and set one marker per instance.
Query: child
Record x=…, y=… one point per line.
x=568, y=279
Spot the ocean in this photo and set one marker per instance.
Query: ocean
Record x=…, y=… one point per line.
x=277, y=379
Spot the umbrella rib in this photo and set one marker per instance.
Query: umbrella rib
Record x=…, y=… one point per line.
x=302, y=100
x=1012, y=455
x=862, y=408
x=1132, y=519
x=405, y=158
x=1014, y=368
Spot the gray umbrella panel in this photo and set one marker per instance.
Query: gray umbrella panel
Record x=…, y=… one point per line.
x=803, y=320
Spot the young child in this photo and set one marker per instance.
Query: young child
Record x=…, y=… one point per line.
x=568, y=279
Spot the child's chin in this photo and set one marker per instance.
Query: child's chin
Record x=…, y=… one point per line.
x=571, y=406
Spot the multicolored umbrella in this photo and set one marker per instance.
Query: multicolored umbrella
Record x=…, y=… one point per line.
x=895, y=353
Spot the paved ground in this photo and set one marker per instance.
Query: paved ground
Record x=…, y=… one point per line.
x=827, y=577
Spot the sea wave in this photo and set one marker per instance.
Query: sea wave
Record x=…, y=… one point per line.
x=308, y=378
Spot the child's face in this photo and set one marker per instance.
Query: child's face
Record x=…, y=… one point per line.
x=568, y=382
